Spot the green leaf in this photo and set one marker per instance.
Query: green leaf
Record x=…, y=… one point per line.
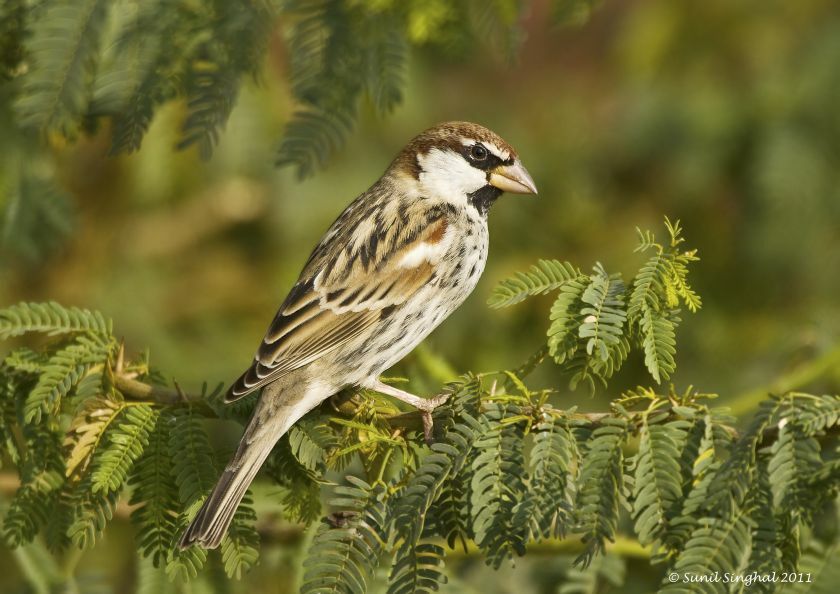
x=38, y=215
x=498, y=23
x=543, y=277
x=42, y=478
x=736, y=476
x=716, y=545
x=338, y=51
x=815, y=414
x=573, y=12
x=211, y=92
x=142, y=74
x=302, y=497
x=86, y=431
x=64, y=369
x=385, y=53
x=195, y=475
x=347, y=545
x=124, y=445
x=602, y=575
x=51, y=319
x=821, y=565
x=91, y=513
x=600, y=487
x=65, y=48
x=658, y=485
x=447, y=458
x=765, y=556
x=704, y=467
x=310, y=439
x=417, y=569
x=12, y=34
x=155, y=495
x=602, y=346
x=238, y=34
x=240, y=544
x=311, y=137
x=793, y=455
x=547, y=505
x=498, y=483
x=152, y=579
x=660, y=344
x=566, y=318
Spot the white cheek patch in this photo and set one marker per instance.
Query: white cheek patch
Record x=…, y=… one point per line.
x=420, y=253
x=448, y=176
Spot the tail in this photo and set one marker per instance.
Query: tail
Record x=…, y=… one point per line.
x=270, y=421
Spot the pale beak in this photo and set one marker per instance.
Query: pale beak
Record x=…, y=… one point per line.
x=513, y=178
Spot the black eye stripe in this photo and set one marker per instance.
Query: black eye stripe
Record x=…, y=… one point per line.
x=488, y=162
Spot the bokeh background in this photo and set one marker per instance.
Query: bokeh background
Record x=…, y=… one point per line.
x=725, y=115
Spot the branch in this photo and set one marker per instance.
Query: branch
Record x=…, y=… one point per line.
x=793, y=380
x=623, y=546
x=134, y=389
x=345, y=403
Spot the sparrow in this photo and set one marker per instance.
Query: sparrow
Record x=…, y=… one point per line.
x=395, y=264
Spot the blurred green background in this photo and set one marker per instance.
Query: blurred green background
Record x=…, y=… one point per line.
x=723, y=114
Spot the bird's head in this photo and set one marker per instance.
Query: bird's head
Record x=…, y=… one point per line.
x=463, y=163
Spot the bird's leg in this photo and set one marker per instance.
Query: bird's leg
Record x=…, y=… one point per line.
x=426, y=406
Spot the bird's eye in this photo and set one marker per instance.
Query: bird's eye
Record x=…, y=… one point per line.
x=478, y=152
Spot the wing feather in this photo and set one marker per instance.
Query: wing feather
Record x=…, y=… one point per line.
x=337, y=300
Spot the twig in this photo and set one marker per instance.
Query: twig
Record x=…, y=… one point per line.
x=346, y=404
x=134, y=389
x=624, y=546
x=795, y=379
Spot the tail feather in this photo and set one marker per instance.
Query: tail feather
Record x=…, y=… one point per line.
x=210, y=524
x=267, y=426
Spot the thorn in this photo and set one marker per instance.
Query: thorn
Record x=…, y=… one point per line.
x=181, y=392
x=120, y=363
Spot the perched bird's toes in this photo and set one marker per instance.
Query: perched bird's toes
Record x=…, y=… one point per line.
x=429, y=406
x=438, y=400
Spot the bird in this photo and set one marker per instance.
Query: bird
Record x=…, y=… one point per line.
x=395, y=263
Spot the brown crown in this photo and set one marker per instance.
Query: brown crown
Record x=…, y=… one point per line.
x=445, y=135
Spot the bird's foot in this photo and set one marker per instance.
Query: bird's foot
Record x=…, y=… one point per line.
x=426, y=406
x=430, y=404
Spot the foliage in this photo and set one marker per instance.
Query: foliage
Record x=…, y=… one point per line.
x=80, y=63
x=597, y=318
x=37, y=217
x=507, y=471
x=74, y=68
x=78, y=442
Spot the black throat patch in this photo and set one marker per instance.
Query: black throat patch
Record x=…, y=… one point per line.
x=483, y=197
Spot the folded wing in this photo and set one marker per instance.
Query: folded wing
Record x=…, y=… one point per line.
x=344, y=293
